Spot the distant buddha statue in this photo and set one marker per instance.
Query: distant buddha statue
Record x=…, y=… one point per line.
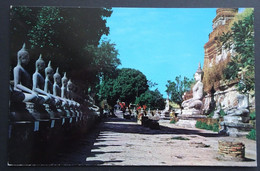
x=64, y=82
x=69, y=90
x=57, y=81
x=38, y=80
x=156, y=116
x=48, y=86
x=196, y=101
x=22, y=79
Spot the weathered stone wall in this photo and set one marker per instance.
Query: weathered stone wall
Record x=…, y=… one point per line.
x=215, y=60
x=226, y=98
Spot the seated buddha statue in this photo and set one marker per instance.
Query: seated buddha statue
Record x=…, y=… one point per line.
x=48, y=86
x=57, y=80
x=196, y=101
x=38, y=80
x=22, y=79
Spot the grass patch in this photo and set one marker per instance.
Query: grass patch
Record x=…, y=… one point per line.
x=251, y=135
x=211, y=114
x=179, y=138
x=172, y=121
x=252, y=116
x=222, y=113
x=203, y=125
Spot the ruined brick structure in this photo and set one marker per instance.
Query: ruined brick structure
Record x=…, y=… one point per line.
x=213, y=48
x=215, y=59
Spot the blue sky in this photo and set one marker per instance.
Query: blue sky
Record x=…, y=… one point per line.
x=161, y=42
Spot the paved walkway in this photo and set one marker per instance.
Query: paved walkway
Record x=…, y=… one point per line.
x=123, y=142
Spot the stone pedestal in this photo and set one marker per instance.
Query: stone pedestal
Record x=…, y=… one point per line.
x=188, y=120
x=192, y=111
x=53, y=114
x=235, y=129
x=165, y=115
x=31, y=109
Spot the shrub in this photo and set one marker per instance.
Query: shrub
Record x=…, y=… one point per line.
x=209, y=127
x=222, y=113
x=203, y=125
x=172, y=121
x=252, y=115
x=211, y=114
x=251, y=135
x=215, y=127
x=198, y=124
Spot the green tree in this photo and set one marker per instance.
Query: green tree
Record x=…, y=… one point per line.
x=177, y=88
x=105, y=58
x=126, y=85
x=60, y=35
x=241, y=37
x=152, y=99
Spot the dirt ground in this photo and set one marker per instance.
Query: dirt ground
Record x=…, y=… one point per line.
x=117, y=141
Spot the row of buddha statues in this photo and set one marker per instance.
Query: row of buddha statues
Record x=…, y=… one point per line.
x=52, y=93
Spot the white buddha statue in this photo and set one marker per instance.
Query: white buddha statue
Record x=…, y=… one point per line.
x=196, y=101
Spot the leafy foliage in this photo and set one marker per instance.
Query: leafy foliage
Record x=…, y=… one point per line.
x=251, y=135
x=211, y=114
x=63, y=36
x=126, y=86
x=152, y=99
x=177, y=88
x=172, y=121
x=241, y=37
x=203, y=125
x=252, y=116
x=222, y=113
x=104, y=59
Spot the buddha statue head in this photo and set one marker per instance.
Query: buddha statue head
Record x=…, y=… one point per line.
x=57, y=77
x=49, y=70
x=64, y=80
x=23, y=56
x=40, y=64
x=70, y=85
x=199, y=74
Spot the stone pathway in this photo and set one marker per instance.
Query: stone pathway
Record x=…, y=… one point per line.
x=123, y=142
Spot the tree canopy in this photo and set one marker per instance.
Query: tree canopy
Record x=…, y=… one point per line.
x=126, y=85
x=177, y=88
x=241, y=37
x=69, y=37
x=152, y=99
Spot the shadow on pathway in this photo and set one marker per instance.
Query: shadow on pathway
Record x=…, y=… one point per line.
x=113, y=126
